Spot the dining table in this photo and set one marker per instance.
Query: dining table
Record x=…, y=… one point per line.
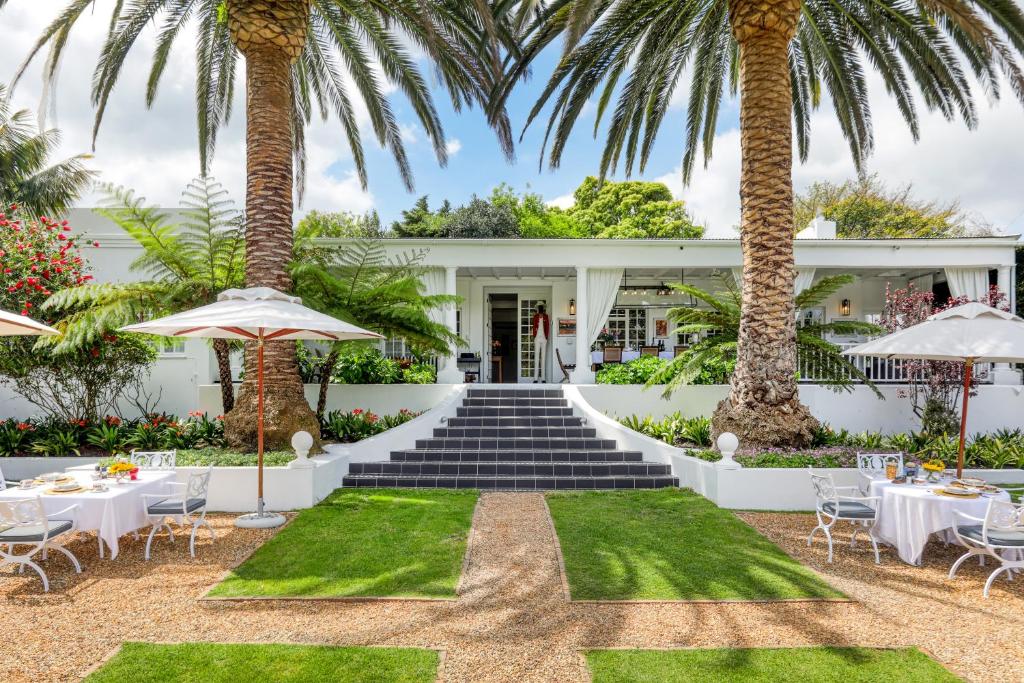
x=908, y=514
x=597, y=357
x=111, y=513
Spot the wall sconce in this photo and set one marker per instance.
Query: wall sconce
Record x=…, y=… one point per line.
x=572, y=306
x=844, y=308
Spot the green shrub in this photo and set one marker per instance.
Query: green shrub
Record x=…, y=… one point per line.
x=359, y=424
x=419, y=373
x=674, y=429
x=641, y=370
x=366, y=365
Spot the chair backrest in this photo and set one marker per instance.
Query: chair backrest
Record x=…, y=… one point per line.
x=1002, y=514
x=679, y=350
x=153, y=460
x=649, y=351
x=23, y=512
x=199, y=484
x=613, y=354
x=561, y=363
x=873, y=464
x=824, y=487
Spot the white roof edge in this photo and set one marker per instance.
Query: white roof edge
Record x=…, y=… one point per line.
x=418, y=241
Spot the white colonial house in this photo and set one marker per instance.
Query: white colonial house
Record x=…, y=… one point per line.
x=623, y=287
x=590, y=286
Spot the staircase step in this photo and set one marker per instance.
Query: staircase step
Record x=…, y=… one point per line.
x=514, y=393
x=535, y=421
x=514, y=402
x=513, y=411
x=519, y=469
x=423, y=455
x=513, y=483
x=515, y=433
x=513, y=444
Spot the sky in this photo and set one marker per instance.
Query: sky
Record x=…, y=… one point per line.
x=154, y=151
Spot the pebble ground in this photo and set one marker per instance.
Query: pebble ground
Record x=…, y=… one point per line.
x=512, y=621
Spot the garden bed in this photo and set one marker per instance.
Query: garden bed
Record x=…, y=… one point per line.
x=1003, y=449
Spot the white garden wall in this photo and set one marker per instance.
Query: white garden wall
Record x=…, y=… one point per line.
x=995, y=407
x=383, y=399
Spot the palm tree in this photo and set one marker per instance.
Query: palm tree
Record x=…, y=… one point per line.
x=722, y=317
x=297, y=56
x=27, y=177
x=186, y=262
x=357, y=282
x=779, y=55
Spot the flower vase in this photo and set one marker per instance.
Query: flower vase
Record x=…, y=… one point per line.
x=933, y=477
x=134, y=474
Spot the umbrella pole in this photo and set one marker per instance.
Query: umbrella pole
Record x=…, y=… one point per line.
x=968, y=369
x=259, y=425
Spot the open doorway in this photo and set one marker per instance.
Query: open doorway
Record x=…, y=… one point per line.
x=504, y=316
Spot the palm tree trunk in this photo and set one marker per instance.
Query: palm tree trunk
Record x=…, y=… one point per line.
x=271, y=34
x=763, y=407
x=222, y=351
x=325, y=382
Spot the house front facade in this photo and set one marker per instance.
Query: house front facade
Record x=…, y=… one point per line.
x=620, y=290
x=617, y=289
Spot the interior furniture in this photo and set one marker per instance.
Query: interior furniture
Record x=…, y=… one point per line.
x=566, y=369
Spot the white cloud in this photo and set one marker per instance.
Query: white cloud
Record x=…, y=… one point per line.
x=408, y=133
x=453, y=146
x=979, y=168
x=563, y=201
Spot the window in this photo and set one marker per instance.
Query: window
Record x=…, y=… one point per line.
x=171, y=346
x=395, y=348
x=629, y=325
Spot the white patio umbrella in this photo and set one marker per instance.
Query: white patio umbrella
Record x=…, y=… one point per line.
x=256, y=314
x=14, y=324
x=971, y=333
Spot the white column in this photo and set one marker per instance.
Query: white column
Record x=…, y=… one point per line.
x=449, y=372
x=582, y=374
x=1002, y=373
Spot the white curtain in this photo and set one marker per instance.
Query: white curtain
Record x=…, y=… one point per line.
x=969, y=282
x=602, y=288
x=804, y=279
x=433, y=280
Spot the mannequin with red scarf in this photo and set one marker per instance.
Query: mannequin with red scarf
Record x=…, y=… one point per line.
x=541, y=331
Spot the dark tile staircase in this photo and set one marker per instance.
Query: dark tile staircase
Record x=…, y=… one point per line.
x=524, y=439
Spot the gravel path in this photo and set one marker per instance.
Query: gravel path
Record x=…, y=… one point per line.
x=511, y=621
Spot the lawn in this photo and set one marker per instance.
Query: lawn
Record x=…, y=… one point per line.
x=217, y=663
x=670, y=544
x=363, y=542
x=805, y=664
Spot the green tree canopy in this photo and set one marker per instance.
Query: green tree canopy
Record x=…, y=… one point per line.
x=867, y=208
x=341, y=224
x=482, y=219
x=420, y=221
x=27, y=176
x=630, y=210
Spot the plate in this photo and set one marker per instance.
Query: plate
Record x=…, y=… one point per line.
x=56, y=489
x=51, y=476
x=957, y=491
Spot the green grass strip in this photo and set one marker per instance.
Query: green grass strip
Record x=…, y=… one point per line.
x=363, y=542
x=804, y=664
x=671, y=544
x=218, y=663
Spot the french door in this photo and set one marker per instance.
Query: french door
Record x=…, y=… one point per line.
x=527, y=300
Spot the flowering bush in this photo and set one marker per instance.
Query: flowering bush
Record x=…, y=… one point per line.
x=65, y=379
x=348, y=427
x=933, y=387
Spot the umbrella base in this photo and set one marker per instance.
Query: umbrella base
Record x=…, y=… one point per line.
x=256, y=520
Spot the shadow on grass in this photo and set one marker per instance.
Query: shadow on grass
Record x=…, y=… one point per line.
x=387, y=542
x=670, y=544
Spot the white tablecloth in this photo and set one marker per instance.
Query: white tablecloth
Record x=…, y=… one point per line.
x=110, y=513
x=910, y=513
x=598, y=356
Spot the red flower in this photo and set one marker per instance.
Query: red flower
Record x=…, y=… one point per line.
x=357, y=411
x=24, y=427
x=95, y=244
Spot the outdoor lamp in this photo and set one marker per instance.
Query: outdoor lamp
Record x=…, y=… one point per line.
x=572, y=306
x=844, y=308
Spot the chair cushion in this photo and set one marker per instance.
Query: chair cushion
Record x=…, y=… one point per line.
x=33, y=533
x=173, y=507
x=1006, y=537
x=849, y=509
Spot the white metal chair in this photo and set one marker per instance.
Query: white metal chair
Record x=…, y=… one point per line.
x=25, y=523
x=153, y=460
x=829, y=505
x=183, y=506
x=1000, y=535
x=872, y=466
